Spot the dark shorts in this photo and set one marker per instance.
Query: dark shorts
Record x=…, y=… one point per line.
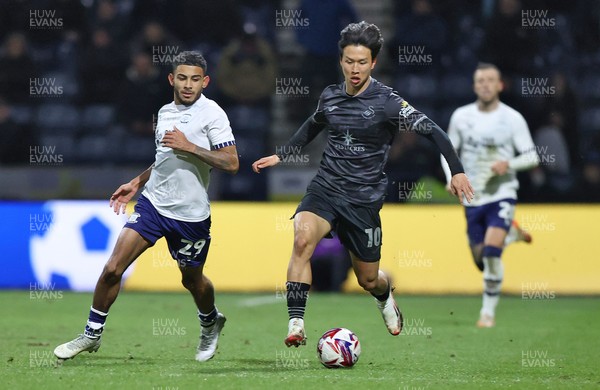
x=358, y=227
x=188, y=242
x=479, y=218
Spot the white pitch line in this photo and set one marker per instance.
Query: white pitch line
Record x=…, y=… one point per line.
x=260, y=301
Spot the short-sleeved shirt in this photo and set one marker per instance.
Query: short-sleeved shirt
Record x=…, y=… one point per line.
x=179, y=181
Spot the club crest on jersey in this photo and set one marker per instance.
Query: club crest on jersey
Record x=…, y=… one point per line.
x=185, y=118
x=133, y=218
x=406, y=109
x=368, y=113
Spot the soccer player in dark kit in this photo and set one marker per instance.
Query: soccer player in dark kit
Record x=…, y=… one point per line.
x=361, y=116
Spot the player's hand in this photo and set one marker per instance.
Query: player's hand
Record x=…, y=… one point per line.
x=176, y=140
x=460, y=186
x=265, y=162
x=122, y=196
x=500, y=167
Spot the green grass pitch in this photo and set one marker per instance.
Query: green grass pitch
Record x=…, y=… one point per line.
x=150, y=339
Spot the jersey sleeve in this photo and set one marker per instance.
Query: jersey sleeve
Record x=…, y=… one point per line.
x=407, y=118
x=522, y=140
x=401, y=114
x=454, y=135
x=219, y=133
x=526, y=156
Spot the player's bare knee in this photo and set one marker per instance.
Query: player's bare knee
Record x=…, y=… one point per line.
x=368, y=283
x=189, y=283
x=302, y=244
x=111, y=274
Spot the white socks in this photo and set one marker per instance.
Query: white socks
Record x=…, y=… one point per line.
x=493, y=272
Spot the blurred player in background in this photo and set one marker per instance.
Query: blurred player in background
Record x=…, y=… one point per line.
x=361, y=116
x=192, y=137
x=494, y=142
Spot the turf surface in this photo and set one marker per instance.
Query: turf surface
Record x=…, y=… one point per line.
x=150, y=339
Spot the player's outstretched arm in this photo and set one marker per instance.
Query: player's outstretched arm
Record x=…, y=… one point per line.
x=123, y=194
x=225, y=159
x=265, y=162
x=461, y=187
x=303, y=136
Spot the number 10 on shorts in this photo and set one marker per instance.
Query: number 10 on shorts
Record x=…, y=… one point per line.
x=374, y=237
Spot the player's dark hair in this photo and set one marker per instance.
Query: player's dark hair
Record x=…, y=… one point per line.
x=363, y=33
x=488, y=65
x=192, y=58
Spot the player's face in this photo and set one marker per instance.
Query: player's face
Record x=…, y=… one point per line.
x=188, y=81
x=487, y=85
x=356, y=63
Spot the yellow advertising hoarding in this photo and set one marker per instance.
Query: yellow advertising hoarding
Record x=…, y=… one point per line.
x=424, y=249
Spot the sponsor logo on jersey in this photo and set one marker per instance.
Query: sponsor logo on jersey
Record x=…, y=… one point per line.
x=185, y=118
x=349, y=143
x=348, y=139
x=406, y=109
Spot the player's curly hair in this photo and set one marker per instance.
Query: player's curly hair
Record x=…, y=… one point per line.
x=363, y=33
x=192, y=58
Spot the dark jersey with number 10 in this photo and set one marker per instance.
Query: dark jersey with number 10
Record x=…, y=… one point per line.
x=360, y=130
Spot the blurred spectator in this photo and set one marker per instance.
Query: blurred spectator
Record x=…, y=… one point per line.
x=320, y=63
x=421, y=27
x=102, y=66
x=14, y=139
x=142, y=94
x=107, y=17
x=564, y=103
x=167, y=11
x=507, y=43
x=260, y=14
x=247, y=70
x=246, y=76
x=16, y=69
x=553, y=176
x=152, y=37
x=159, y=44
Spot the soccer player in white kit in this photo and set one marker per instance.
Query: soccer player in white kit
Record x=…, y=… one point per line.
x=193, y=136
x=493, y=142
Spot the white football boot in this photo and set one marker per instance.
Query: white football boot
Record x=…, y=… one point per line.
x=76, y=346
x=296, y=335
x=208, y=339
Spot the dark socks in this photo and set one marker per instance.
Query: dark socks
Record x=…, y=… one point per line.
x=383, y=297
x=297, y=294
x=208, y=319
